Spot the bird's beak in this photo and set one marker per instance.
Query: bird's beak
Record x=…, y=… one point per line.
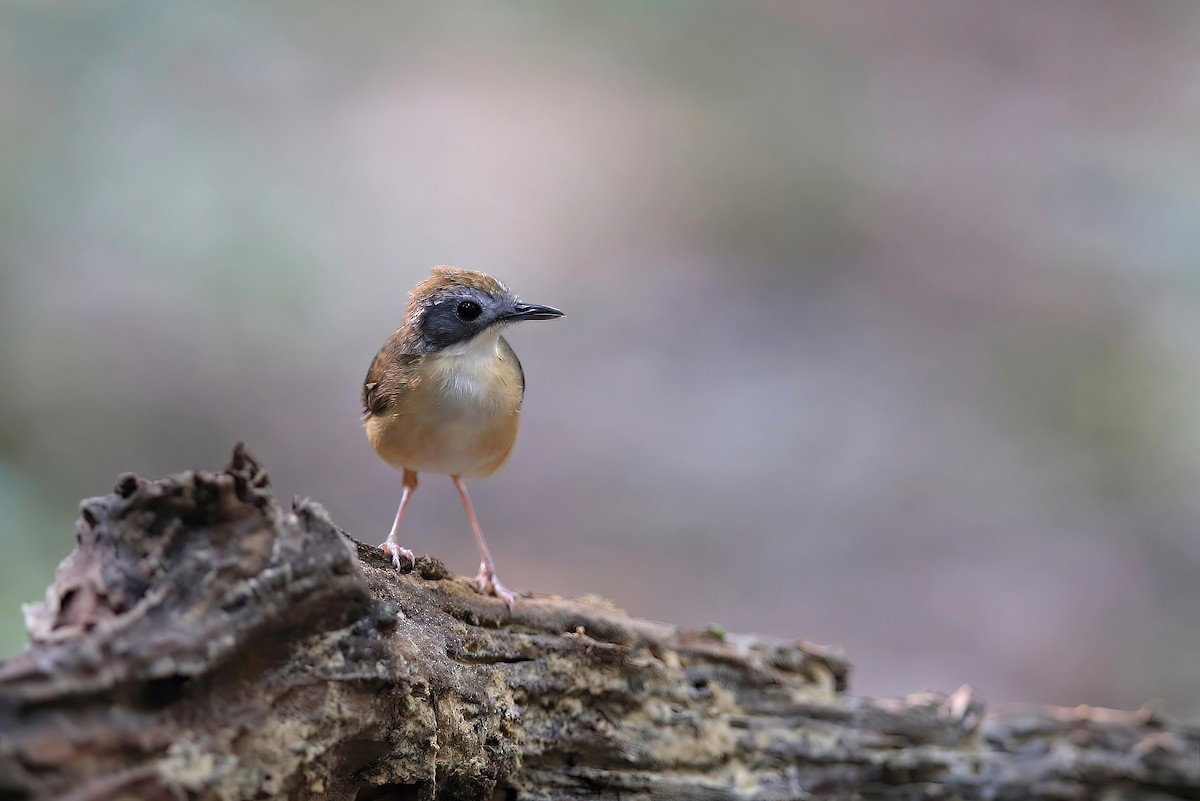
x=531, y=311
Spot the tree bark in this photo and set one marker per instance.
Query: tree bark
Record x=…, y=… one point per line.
x=202, y=642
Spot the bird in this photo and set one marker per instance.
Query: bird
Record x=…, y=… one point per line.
x=443, y=395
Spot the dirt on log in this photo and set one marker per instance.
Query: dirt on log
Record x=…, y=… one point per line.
x=204, y=643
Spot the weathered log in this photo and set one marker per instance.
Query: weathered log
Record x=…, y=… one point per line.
x=202, y=642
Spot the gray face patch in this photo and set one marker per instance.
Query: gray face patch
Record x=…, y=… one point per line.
x=459, y=314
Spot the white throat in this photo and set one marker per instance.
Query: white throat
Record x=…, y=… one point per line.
x=480, y=348
x=467, y=371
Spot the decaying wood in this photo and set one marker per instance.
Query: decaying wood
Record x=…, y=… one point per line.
x=203, y=642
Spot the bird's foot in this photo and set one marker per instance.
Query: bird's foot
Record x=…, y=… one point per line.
x=489, y=584
x=398, y=553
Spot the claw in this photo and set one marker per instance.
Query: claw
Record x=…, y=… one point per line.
x=396, y=551
x=489, y=584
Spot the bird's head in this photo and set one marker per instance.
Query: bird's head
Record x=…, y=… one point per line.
x=452, y=307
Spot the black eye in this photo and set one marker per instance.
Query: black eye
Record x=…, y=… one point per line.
x=469, y=310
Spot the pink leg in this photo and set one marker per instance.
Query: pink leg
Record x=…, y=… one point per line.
x=392, y=545
x=489, y=583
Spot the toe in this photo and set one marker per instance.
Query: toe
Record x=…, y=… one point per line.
x=398, y=553
x=490, y=585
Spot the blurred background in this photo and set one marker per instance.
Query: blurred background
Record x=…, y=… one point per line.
x=883, y=318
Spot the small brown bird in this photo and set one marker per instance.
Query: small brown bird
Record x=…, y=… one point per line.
x=444, y=393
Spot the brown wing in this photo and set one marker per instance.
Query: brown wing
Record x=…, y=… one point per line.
x=509, y=355
x=373, y=401
x=386, y=378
